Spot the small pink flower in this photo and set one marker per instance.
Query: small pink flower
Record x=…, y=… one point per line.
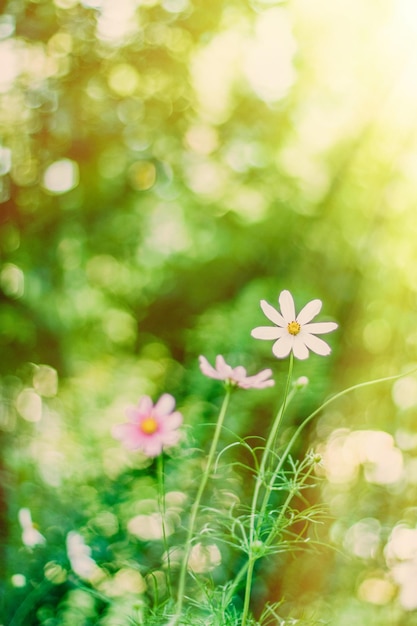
x=150, y=428
x=235, y=376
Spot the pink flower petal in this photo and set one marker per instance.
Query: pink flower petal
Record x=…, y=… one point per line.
x=239, y=373
x=258, y=381
x=263, y=375
x=165, y=405
x=223, y=368
x=145, y=405
x=172, y=422
x=171, y=438
x=286, y=302
x=143, y=408
x=272, y=314
x=129, y=435
x=310, y=310
x=150, y=443
x=207, y=369
x=152, y=447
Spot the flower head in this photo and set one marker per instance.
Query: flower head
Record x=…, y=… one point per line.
x=235, y=376
x=150, y=428
x=293, y=332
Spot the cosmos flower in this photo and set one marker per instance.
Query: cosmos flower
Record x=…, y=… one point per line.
x=294, y=332
x=30, y=534
x=235, y=376
x=150, y=428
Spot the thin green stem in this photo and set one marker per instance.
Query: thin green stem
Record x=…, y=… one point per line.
x=162, y=511
x=324, y=405
x=270, y=443
x=196, y=504
x=266, y=454
x=286, y=504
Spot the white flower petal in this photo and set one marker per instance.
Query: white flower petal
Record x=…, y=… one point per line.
x=272, y=314
x=319, y=328
x=286, y=302
x=316, y=345
x=282, y=347
x=268, y=332
x=310, y=310
x=299, y=348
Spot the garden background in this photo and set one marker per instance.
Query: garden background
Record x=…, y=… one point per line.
x=164, y=165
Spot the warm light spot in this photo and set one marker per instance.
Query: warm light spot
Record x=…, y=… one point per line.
x=55, y=573
x=346, y=452
x=18, y=580
x=5, y=160
x=376, y=591
x=7, y=25
x=377, y=335
x=402, y=544
x=126, y=581
x=213, y=73
x=202, y=139
x=60, y=44
x=9, y=62
x=116, y=20
x=204, y=558
x=120, y=327
x=148, y=527
x=269, y=56
x=404, y=392
x=293, y=328
x=29, y=405
x=12, y=280
x=45, y=381
x=207, y=178
x=61, y=176
x=142, y=175
x=123, y=79
x=363, y=538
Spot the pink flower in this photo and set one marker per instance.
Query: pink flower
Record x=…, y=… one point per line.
x=235, y=376
x=150, y=428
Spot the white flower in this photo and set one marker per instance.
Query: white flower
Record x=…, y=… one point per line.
x=30, y=536
x=294, y=332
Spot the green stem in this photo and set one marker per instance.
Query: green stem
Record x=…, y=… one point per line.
x=196, y=505
x=287, y=502
x=269, y=446
x=324, y=405
x=162, y=511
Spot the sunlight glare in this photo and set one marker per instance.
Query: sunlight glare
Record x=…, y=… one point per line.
x=268, y=61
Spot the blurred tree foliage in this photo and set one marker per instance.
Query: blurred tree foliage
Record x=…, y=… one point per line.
x=164, y=164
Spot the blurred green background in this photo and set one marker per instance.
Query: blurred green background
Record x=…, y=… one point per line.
x=164, y=165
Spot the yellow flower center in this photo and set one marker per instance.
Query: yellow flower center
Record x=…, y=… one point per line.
x=149, y=426
x=293, y=328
